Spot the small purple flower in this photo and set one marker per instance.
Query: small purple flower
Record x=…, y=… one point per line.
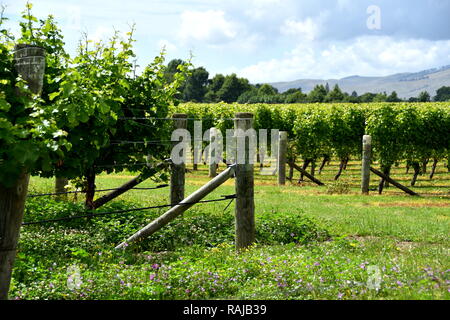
x=399, y=283
x=152, y=276
x=292, y=234
x=156, y=266
x=317, y=264
x=340, y=295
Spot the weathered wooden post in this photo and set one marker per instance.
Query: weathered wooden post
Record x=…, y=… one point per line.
x=366, y=157
x=177, y=177
x=212, y=152
x=30, y=65
x=282, y=152
x=245, y=205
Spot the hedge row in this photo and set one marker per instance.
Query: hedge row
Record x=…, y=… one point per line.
x=408, y=132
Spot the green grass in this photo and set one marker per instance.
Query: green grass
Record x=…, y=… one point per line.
x=310, y=244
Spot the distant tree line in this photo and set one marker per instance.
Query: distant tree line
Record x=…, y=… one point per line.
x=198, y=87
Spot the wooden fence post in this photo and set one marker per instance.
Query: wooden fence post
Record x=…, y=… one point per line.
x=30, y=64
x=177, y=178
x=365, y=171
x=212, y=152
x=282, y=151
x=245, y=205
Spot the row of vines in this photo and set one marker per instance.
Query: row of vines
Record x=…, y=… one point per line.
x=410, y=132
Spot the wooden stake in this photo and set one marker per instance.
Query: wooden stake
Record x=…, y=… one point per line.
x=127, y=186
x=245, y=205
x=282, y=152
x=304, y=172
x=178, y=209
x=365, y=171
x=177, y=178
x=395, y=183
x=212, y=152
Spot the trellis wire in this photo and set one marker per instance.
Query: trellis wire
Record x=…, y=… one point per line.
x=85, y=214
x=101, y=190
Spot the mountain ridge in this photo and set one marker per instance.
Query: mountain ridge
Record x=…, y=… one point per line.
x=406, y=84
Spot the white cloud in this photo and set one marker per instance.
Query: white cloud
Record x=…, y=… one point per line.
x=307, y=29
x=210, y=27
x=100, y=33
x=259, y=9
x=367, y=55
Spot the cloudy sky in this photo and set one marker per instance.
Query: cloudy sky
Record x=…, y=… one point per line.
x=268, y=40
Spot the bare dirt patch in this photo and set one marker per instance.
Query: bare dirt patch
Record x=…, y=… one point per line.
x=410, y=204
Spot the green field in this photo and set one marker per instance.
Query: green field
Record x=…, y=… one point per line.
x=310, y=244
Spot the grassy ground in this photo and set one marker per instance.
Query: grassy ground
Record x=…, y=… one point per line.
x=310, y=244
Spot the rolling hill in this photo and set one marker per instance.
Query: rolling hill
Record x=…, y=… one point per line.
x=405, y=84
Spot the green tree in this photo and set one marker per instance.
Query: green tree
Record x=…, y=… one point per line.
x=424, y=96
x=174, y=67
x=380, y=97
x=232, y=88
x=442, y=94
x=367, y=97
x=267, y=89
x=353, y=98
x=393, y=97
x=195, y=87
x=213, y=88
x=318, y=94
x=248, y=95
x=335, y=95
x=295, y=96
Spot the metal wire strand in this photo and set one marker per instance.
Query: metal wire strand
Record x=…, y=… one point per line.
x=86, y=214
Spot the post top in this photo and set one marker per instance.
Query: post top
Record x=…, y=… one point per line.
x=283, y=135
x=367, y=139
x=28, y=50
x=244, y=115
x=179, y=116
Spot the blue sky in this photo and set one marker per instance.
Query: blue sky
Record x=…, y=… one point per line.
x=268, y=40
